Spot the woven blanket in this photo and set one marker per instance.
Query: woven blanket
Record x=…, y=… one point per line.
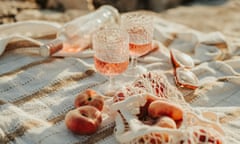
x=37, y=92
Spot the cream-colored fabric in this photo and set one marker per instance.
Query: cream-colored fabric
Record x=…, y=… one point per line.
x=27, y=30
x=37, y=92
x=28, y=36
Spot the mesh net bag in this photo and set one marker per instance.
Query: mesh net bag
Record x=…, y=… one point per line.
x=136, y=125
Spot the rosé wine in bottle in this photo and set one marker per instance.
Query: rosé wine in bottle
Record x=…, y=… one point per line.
x=79, y=31
x=139, y=49
x=110, y=68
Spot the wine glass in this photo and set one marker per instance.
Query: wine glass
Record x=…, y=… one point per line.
x=140, y=30
x=111, y=56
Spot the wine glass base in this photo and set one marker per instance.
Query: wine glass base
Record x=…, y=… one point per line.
x=108, y=89
x=134, y=72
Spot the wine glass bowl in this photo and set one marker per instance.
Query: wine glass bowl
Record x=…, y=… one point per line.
x=111, y=56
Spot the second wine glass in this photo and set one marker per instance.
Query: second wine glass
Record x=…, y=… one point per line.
x=111, y=56
x=140, y=30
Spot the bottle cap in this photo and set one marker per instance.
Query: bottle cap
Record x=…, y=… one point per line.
x=50, y=48
x=44, y=50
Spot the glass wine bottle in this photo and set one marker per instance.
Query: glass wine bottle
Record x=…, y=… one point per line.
x=77, y=33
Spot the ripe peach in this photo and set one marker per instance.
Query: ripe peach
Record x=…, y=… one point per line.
x=83, y=120
x=160, y=108
x=144, y=109
x=89, y=97
x=166, y=122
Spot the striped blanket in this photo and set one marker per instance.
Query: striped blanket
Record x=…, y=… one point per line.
x=37, y=92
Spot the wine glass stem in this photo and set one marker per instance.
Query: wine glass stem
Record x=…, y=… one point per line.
x=111, y=82
x=133, y=62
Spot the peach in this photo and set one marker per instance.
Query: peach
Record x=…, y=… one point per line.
x=83, y=120
x=89, y=97
x=166, y=122
x=160, y=108
x=144, y=109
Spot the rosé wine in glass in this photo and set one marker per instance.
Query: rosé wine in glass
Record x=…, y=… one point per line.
x=110, y=68
x=111, y=58
x=139, y=49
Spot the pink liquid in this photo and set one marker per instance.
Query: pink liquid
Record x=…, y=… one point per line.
x=76, y=45
x=139, y=49
x=108, y=68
